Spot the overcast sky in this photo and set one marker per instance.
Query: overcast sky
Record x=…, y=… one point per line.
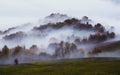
x=14, y=12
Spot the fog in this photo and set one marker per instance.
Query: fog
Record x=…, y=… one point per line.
x=19, y=12
x=24, y=15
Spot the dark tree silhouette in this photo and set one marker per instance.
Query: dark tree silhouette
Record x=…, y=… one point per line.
x=33, y=47
x=5, y=50
x=62, y=49
x=17, y=50
x=112, y=35
x=99, y=27
x=65, y=48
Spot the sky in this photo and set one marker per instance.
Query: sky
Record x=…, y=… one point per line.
x=17, y=12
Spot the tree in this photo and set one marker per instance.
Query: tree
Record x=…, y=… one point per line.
x=68, y=21
x=17, y=50
x=1, y=55
x=73, y=47
x=112, y=35
x=33, y=47
x=62, y=48
x=65, y=48
x=77, y=40
x=5, y=50
x=99, y=27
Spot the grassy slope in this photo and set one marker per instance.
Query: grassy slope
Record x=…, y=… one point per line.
x=91, y=66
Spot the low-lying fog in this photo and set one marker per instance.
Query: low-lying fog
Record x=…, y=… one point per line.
x=49, y=40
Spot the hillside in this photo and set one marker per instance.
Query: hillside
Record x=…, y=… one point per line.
x=58, y=37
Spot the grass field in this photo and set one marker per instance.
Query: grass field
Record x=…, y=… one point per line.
x=88, y=66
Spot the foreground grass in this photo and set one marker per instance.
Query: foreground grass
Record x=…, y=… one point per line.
x=90, y=66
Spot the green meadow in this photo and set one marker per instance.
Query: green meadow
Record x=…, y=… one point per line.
x=85, y=66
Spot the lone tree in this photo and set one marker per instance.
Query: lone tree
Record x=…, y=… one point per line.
x=5, y=50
